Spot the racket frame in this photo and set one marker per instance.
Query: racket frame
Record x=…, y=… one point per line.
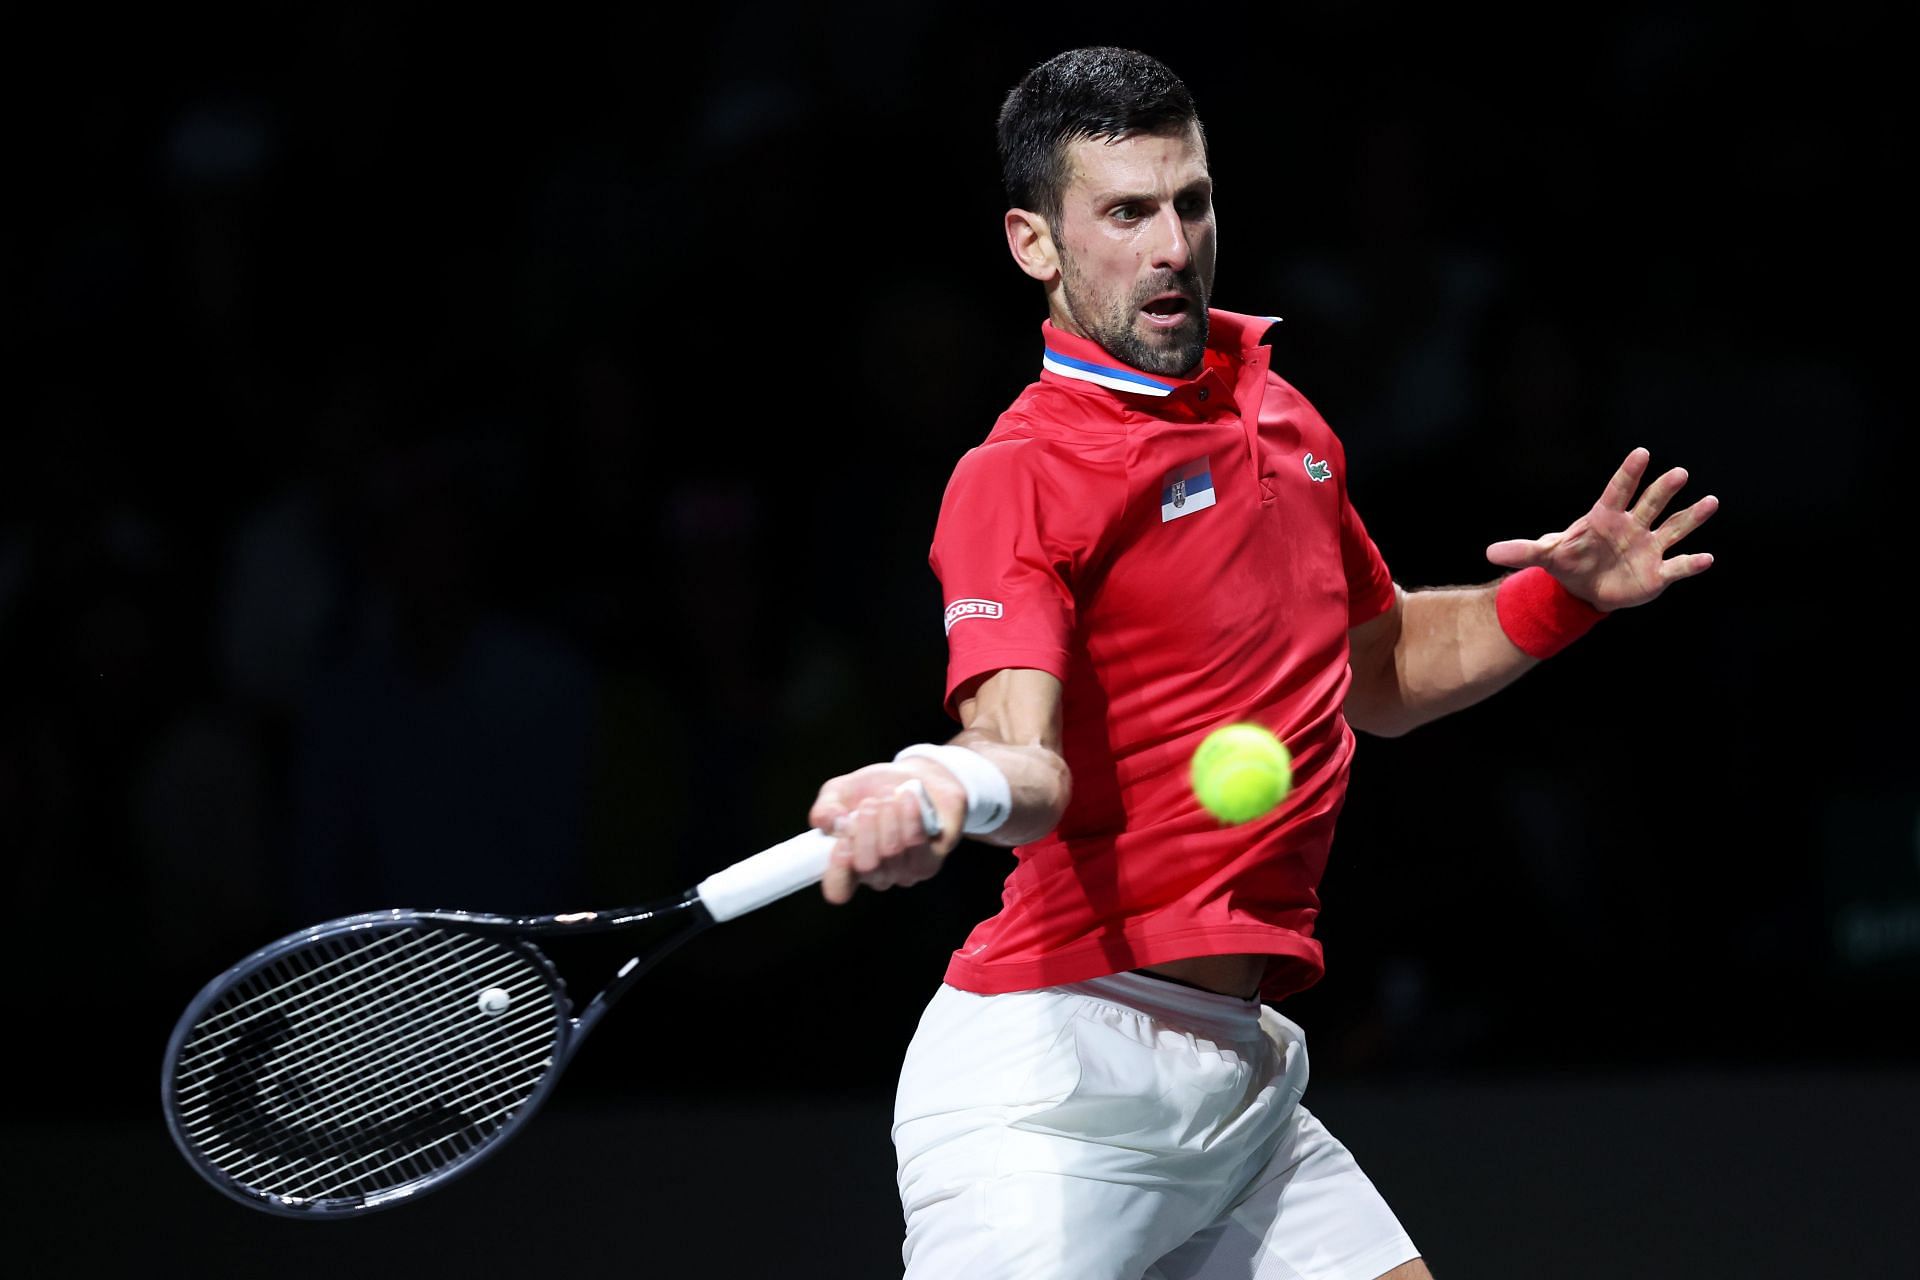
x=517, y=932
x=746, y=886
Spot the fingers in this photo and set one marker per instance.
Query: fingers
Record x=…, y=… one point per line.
x=1678, y=567
x=838, y=884
x=1521, y=553
x=1515, y=553
x=1686, y=522
x=830, y=813
x=881, y=837
x=930, y=824
x=841, y=796
x=828, y=807
x=1658, y=495
x=1620, y=489
x=876, y=833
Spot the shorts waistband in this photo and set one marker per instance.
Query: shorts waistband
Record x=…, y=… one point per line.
x=1222, y=1017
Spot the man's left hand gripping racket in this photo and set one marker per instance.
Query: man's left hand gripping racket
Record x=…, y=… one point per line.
x=358, y=1063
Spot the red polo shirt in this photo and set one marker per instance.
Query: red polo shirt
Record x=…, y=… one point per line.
x=1181, y=553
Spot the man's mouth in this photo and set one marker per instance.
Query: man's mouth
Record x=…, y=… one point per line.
x=1166, y=311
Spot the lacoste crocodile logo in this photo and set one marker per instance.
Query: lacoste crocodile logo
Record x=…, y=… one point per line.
x=1317, y=471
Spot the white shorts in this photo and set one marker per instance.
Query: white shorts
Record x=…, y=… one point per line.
x=1124, y=1129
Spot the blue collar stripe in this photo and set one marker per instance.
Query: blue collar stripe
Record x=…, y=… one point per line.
x=1104, y=375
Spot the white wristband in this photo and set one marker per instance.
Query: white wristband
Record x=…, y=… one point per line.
x=989, y=798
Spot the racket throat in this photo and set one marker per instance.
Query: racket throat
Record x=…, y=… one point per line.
x=634, y=969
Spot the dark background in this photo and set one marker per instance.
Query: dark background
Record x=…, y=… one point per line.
x=490, y=461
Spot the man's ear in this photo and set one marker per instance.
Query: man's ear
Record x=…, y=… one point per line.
x=1031, y=242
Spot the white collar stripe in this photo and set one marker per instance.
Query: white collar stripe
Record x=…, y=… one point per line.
x=1114, y=379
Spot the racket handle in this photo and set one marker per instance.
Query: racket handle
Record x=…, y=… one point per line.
x=789, y=866
x=767, y=876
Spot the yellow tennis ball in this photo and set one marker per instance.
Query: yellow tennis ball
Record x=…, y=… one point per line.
x=1240, y=772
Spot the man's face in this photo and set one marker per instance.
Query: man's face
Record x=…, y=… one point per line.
x=1136, y=243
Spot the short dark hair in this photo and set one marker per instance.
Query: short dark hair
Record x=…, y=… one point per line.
x=1083, y=93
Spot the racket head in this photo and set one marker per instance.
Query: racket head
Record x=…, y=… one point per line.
x=359, y=1063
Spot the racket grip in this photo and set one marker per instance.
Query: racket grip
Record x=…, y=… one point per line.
x=767, y=876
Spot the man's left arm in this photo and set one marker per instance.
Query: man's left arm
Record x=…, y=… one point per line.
x=1437, y=651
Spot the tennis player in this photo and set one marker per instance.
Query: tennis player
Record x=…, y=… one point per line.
x=1155, y=540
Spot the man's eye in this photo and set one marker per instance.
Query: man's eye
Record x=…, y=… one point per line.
x=1127, y=213
x=1192, y=206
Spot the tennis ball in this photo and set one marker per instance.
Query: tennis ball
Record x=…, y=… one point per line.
x=1240, y=772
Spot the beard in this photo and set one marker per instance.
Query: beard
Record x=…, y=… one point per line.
x=1115, y=324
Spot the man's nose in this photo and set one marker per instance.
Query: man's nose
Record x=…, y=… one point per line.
x=1171, y=249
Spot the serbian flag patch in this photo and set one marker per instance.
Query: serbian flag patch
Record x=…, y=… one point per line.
x=1186, y=489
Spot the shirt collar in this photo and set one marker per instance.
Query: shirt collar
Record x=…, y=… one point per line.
x=1068, y=356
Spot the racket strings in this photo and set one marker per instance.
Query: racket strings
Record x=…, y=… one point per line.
x=293, y=1126
x=347, y=963
x=429, y=1048
x=389, y=1095
x=344, y=1085
x=353, y=1066
x=435, y=1069
x=352, y=993
x=419, y=1135
x=356, y=1021
x=363, y=1013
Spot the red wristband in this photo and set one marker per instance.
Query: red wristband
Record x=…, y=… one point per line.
x=1539, y=615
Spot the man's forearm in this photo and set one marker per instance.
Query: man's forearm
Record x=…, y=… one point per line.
x=1450, y=654
x=1012, y=720
x=1037, y=778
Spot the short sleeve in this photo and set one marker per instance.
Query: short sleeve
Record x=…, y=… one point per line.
x=1369, y=583
x=1012, y=528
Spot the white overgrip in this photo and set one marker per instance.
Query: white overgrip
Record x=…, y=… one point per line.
x=767, y=876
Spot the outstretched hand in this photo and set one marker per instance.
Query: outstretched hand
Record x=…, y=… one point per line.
x=1614, y=557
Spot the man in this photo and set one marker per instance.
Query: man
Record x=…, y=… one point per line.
x=1155, y=540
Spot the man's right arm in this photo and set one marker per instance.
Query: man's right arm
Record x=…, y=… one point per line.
x=1011, y=720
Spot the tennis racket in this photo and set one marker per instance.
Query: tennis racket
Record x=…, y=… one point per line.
x=360, y=1063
